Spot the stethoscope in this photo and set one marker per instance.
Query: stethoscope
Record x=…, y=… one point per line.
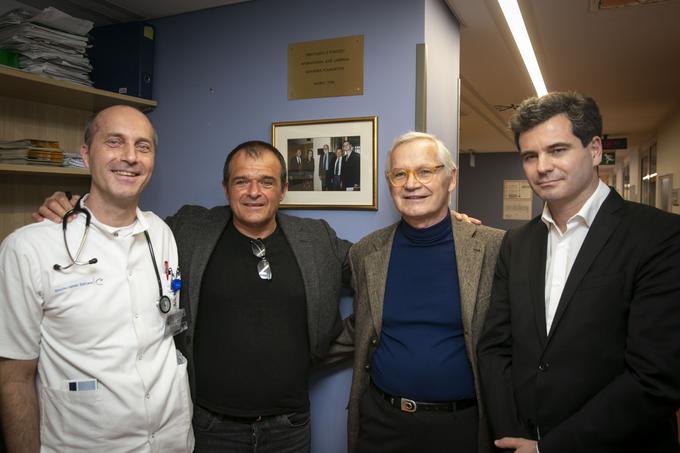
x=164, y=302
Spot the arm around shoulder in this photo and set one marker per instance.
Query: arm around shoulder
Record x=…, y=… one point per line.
x=341, y=250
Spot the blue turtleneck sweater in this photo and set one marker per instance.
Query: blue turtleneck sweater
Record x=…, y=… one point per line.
x=421, y=354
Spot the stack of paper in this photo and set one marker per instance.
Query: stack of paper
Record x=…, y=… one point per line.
x=73, y=160
x=50, y=43
x=31, y=151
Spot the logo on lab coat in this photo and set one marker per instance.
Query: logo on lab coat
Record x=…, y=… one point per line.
x=98, y=281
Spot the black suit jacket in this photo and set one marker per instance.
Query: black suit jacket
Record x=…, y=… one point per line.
x=323, y=157
x=295, y=170
x=607, y=376
x=351, y=170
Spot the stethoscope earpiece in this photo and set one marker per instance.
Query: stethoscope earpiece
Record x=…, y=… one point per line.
x=78, y=209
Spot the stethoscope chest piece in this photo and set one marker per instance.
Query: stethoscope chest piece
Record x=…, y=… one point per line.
x=164, y=304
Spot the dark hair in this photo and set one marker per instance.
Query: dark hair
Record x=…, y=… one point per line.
x=582, y=111
x=254, y=149
x=92, y=126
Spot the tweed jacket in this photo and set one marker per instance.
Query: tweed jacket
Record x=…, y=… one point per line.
x=476, y=252
x=321, y=256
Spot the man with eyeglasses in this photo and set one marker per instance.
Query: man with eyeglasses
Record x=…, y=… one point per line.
x=268, y=285
x=422, y=287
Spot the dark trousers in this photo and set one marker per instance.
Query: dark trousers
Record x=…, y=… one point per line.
x=386, y=429
x=287, y=433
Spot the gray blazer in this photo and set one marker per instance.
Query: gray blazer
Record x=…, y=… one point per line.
x=476, y=253
x=321, y=256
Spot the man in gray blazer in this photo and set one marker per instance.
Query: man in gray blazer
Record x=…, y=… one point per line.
x=422, y=288
x=268, y=286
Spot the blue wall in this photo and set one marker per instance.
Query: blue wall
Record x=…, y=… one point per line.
x=480, y=188
x=221, y=79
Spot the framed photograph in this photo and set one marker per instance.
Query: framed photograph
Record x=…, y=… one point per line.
x=331, y=164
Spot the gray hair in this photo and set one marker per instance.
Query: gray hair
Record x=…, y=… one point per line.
x=443, y=154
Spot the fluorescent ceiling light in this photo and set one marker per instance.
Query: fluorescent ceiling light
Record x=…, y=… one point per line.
x=513, y=17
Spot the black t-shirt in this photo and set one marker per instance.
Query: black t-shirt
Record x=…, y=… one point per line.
x=251, y=345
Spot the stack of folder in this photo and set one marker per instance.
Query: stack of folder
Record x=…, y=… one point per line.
x=31, y=151
x=50, y=43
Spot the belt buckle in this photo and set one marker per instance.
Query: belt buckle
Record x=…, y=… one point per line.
x=408, y=405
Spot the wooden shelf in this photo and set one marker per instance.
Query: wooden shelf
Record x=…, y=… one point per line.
x=24, y=85
x=44, y=169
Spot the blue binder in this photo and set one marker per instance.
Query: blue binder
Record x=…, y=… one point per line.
x=122, y=58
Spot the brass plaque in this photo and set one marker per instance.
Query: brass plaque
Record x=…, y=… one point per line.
x=326, y=68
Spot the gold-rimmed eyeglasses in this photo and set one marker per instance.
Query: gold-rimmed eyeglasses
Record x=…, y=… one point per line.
x=398, y=176
x=259, y=250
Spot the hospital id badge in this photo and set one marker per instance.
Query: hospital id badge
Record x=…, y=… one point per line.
x=175, y=323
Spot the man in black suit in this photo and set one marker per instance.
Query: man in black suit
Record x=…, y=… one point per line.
x=336, y=180
x=580, y=351
x=326, y=160
x=296, y=171
x=350, y=167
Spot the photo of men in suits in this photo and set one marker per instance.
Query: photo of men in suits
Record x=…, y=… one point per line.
x=580, y=351
x=421, y=287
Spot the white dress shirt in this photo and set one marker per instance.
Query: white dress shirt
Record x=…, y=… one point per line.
x=564, y=247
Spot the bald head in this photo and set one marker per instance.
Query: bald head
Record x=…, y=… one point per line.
x=94, y=123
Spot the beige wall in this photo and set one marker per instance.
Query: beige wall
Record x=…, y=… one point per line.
x=668, y=152
x=637, y=143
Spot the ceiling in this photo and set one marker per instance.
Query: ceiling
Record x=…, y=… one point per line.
x=627, y=58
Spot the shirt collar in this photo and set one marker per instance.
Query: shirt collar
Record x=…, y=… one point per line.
x=138, y=226
x=587, y=212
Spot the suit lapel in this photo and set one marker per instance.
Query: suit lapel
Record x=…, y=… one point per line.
x=302, y=249
x=209, y=233
x=375, y=266
x=599, y=233
x=537, y=256
x=469, y=258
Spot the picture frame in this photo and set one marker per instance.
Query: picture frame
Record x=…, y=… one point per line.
x=316, y=180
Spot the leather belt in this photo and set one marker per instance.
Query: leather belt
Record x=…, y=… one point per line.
x=236, y=418
x=409, y=405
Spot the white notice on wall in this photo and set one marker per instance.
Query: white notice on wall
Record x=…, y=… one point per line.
x=516, y=200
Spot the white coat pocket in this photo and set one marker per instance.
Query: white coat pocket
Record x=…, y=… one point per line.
x=71, y=420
